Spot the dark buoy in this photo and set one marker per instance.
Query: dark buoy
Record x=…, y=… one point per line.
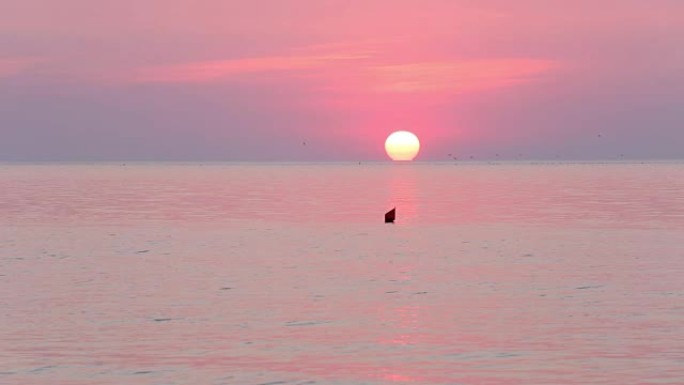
x=390, y=215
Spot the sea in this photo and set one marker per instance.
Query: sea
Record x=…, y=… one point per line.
x=501, y=273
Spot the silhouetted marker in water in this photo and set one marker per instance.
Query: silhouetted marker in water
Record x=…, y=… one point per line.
x=391, y=215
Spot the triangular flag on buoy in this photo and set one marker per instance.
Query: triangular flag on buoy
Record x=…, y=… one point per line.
x=391, y=215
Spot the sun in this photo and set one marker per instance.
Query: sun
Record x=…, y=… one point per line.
x=402, y=146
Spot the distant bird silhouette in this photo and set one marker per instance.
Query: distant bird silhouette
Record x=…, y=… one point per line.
x=391, y=215
x=304, y=143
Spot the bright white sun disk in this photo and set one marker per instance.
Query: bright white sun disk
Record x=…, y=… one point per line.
x=402, y=146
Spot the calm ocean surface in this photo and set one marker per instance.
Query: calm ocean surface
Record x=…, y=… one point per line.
x=259, y=274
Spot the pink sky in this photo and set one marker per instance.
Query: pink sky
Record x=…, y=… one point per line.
x=252, y=80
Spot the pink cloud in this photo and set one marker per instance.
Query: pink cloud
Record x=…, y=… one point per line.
x=457, y=76
x=15, y=65
x=355, y=69
x=211, y=71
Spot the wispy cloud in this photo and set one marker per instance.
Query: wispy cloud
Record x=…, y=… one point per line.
x=358, y=70
x=10, y=66
x=457, y=76
x=212, y=71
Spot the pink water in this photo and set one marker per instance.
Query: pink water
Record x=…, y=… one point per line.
x=285, y=274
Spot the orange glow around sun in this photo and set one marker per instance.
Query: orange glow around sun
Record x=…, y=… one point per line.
x=402, y=146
